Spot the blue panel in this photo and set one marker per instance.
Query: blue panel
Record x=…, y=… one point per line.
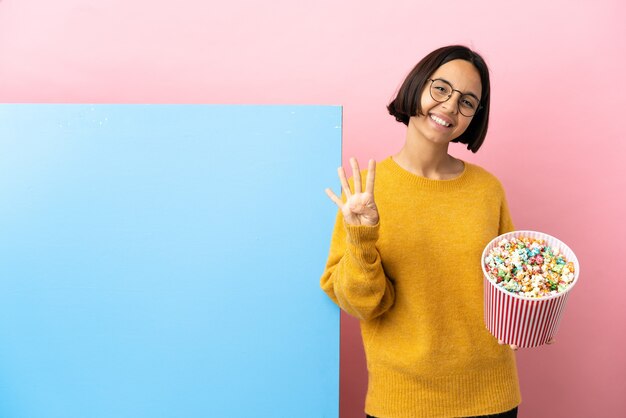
x=164, y=261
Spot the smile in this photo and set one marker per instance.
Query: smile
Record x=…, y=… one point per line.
x=440, y=121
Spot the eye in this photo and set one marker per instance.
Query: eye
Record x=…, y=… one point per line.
x=468, y=103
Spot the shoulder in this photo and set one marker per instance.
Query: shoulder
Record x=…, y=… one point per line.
x=483, y=177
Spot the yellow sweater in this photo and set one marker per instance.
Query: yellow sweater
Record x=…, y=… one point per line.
x=415, y=282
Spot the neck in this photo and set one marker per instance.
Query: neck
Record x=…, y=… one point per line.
x=427, y=159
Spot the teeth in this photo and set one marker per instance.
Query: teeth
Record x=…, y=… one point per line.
x=439, y=120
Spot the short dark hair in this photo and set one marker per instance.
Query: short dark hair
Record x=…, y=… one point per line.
x=408, y=100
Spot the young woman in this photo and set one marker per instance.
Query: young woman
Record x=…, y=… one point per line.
x=406, y=260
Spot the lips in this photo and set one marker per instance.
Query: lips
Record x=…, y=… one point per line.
x=440, y=120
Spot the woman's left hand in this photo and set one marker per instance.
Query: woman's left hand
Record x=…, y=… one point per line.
x=515, y=348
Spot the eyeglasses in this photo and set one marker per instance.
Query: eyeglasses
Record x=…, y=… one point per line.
x=441, y=91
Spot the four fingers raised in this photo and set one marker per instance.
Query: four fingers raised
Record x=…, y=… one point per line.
x=356, y=174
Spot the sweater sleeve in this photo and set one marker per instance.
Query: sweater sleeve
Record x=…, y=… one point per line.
x=354, y=277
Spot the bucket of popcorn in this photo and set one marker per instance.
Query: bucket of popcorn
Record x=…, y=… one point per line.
x=528, y=277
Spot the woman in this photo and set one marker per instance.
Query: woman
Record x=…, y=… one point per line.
x=407, y=261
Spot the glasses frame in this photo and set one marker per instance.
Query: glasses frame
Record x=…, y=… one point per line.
x=430, y=91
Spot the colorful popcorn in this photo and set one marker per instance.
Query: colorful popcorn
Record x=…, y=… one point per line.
x=528, y=267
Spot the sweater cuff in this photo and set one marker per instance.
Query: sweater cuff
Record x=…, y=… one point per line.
x=361, y=241
x=362, y=234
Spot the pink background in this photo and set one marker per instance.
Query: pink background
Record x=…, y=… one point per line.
x=556, y=138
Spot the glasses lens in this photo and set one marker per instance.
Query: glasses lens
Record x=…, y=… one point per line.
x=468, y=105
x=440, y=90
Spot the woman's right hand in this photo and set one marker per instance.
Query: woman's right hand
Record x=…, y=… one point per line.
x=359, y=207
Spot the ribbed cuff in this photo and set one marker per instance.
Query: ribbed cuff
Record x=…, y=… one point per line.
x=361, y=240
x=362, y=234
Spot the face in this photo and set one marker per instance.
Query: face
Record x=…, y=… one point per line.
x=443, y=122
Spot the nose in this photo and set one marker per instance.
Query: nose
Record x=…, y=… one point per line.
x=452, y=104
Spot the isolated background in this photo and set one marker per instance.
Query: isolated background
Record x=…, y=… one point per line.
x=556, y=138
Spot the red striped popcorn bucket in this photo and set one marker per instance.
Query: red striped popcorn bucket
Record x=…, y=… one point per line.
x=521, y=320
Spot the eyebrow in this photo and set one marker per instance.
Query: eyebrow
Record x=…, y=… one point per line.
x=468, y=93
